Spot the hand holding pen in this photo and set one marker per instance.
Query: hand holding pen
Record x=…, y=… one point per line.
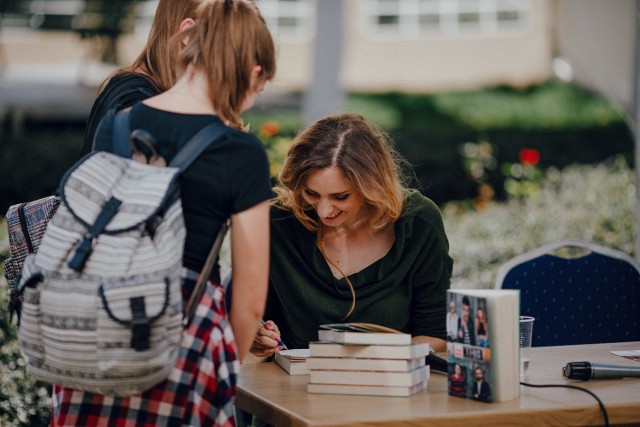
x=267, y=340
x=272, y=326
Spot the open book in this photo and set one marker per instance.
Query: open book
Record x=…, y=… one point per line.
x=362, y=333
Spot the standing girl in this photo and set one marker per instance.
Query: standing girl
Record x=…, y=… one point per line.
x=228, y=57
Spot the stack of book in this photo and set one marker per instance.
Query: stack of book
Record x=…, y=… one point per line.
x=366, y=359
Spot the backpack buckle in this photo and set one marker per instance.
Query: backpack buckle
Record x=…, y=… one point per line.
x=140, y=325
x=140, y=334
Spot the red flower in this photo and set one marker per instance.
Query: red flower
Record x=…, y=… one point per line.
x=529, y=156
x=269, y=128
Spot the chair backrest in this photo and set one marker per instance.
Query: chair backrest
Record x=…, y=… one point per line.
x=590, y=297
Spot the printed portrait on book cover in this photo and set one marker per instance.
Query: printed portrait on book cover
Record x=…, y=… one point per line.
x=481, y=389
x=466, y=324
x=482, y=325
x=452, y=318
x=457, y=380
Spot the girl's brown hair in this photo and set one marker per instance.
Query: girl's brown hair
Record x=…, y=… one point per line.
x=157, y=61
x=229, y=38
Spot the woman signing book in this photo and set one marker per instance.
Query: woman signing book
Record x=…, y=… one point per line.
x=350, y=242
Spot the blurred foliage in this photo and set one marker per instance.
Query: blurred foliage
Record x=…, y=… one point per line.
x=566, y=123
x=24, y=402
x=595, y=203
x=552, y=105
x=33, y=160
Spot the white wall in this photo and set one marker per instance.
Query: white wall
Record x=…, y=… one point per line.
x=596, y=37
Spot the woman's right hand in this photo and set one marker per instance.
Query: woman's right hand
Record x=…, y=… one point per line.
x=265, y=343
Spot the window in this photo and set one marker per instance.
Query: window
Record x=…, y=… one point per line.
x=288, y=17
x=424, y=17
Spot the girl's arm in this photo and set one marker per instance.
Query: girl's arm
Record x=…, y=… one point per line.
x=250, y=272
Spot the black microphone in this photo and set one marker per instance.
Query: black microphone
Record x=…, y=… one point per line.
x=588, y=371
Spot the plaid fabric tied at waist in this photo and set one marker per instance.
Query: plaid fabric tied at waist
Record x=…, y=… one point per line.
x=198, y=391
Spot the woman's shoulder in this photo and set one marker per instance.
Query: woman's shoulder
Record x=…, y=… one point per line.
x=420, y=214
x=417, y=204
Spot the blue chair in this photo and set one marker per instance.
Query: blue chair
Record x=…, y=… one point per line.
x=578, y=292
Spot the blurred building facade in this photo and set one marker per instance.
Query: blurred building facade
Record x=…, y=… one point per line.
x=387, y=45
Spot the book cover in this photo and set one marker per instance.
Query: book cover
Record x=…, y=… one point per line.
x=360, y=364
x=293, y=361
x=331, y=349
x=367, y=390
x=483, y=344
x=373, y=378
x=362, y=333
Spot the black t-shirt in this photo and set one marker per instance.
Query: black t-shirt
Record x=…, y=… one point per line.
x=230, y=176
x=121, y=91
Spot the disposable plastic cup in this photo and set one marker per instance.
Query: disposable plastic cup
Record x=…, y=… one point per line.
x=526, y=332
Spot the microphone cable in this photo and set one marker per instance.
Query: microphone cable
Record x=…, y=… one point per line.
x=605, y=415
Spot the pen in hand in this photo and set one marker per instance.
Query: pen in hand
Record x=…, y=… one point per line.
x=280, y=343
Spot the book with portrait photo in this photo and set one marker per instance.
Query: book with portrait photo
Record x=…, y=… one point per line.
x=483, y=344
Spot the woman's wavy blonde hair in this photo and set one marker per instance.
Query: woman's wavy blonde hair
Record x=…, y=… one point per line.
x=229, y=38
x=364, y=155
x=366, y=158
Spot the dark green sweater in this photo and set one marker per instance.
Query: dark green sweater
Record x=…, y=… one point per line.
x=405, y=290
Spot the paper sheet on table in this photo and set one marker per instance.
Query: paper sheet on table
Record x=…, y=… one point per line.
x=628, y=354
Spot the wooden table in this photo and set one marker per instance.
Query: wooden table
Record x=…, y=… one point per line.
x=268, y=392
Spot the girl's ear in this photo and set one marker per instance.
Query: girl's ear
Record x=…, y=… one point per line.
x=257, y=82
x=186, y=23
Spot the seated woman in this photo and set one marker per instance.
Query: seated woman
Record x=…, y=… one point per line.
x=350, y=243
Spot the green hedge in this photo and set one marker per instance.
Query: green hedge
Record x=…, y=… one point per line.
x=565, y=123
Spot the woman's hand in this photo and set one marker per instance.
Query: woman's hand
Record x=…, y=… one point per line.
x=265, y=343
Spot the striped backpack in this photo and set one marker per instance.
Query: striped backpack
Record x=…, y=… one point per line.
x=102, y=307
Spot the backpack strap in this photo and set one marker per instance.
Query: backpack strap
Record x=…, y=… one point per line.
x=196, y=145
x=121, y=132
x=182, y=160
x=203, y=277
